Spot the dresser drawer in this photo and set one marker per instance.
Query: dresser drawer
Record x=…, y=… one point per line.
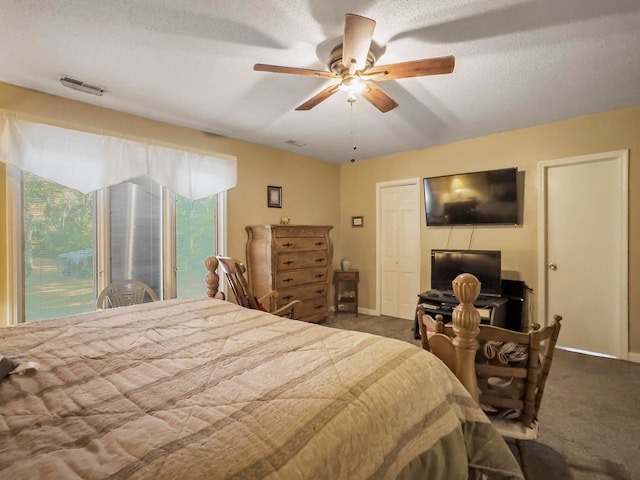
x=304, y=293
x=292, y=261
x=292, y=278
x=300, y=231
x=300, y=244
x=312, y=310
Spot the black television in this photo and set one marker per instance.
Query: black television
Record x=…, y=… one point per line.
x=477, y=198
x=486, y=265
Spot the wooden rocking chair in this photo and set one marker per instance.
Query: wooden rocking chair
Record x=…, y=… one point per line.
x=508, y=370
x=234, y=272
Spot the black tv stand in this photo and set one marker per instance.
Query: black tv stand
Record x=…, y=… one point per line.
x=444, y=294
x=493, y=310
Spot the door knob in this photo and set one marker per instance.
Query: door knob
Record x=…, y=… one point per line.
x=553, y=266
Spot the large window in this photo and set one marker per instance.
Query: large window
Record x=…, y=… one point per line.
x=58, y=244
x=62, y=242
x=135, y=233
x=196, y=226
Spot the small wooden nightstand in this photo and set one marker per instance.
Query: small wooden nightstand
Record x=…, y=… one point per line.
x=345, y=286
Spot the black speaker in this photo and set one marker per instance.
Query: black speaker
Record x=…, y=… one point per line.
x=515, y=291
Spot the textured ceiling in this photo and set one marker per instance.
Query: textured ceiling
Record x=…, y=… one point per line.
x=189, y=62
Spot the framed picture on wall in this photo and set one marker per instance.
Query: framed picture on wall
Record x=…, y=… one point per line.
x=274, y=197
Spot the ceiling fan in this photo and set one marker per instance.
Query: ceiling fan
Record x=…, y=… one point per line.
x=353, y=65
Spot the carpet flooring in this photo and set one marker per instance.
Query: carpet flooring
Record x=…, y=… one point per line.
x=589, y=418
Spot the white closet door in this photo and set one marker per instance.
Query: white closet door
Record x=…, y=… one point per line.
x=399, y=249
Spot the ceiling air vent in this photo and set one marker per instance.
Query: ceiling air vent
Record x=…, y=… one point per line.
x=81, y=86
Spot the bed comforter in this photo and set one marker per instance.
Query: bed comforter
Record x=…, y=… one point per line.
x=201, y=388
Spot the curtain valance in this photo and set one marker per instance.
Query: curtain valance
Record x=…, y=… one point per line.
x=88, y=162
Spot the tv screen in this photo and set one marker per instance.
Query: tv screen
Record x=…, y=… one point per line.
x=486, y=265
x=477, y=198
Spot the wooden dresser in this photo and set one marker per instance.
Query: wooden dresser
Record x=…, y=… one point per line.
x=296, y=261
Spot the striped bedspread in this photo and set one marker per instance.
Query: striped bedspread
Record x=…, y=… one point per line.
x=201, y=388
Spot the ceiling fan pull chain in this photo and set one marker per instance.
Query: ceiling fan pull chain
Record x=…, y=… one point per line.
x=353, y=131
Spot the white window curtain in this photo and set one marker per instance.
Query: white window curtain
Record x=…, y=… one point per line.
x=89, y=162
x=189, y=174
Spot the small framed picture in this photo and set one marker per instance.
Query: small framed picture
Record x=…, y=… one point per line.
x=274, y=197
x=357, y=221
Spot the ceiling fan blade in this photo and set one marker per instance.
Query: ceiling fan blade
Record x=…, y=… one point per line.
x=416, y=68
x=358, y=32
x=315, y=100
x=378, y=98
x=261, y=67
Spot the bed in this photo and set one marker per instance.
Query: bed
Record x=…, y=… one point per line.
x=202, y=388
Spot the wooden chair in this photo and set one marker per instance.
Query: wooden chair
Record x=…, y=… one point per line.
x=125, y=292
x=212, y=279
x=509, y=368
x=234, y=271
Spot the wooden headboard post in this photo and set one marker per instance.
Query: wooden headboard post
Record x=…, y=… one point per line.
x=212, y=279
x=466, y=326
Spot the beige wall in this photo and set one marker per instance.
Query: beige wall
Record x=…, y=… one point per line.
x=614, y=130
x=4, y=279
x=311, y=188
x=316, y=192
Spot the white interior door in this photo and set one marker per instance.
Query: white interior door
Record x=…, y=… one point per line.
x=399, y=244
x=583, y=258
x=389, y=252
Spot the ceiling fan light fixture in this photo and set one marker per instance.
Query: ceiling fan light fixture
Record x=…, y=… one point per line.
x=353, y=85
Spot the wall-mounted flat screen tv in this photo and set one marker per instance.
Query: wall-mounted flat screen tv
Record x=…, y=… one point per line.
x=486, y=265
x=476, y=198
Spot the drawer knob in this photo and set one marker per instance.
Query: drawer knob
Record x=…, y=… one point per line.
x=288, y=262
x=287, y=280
x=319, y=244
x=287, y=297
x=319, y=291
x=320, y=275
x=288, y=244
x=318, y=307
x=319, y=260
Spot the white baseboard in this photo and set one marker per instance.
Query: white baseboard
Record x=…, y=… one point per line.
x=634, y=357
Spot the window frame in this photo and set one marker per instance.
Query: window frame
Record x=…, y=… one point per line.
x=15, y=246
x=15, y=242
